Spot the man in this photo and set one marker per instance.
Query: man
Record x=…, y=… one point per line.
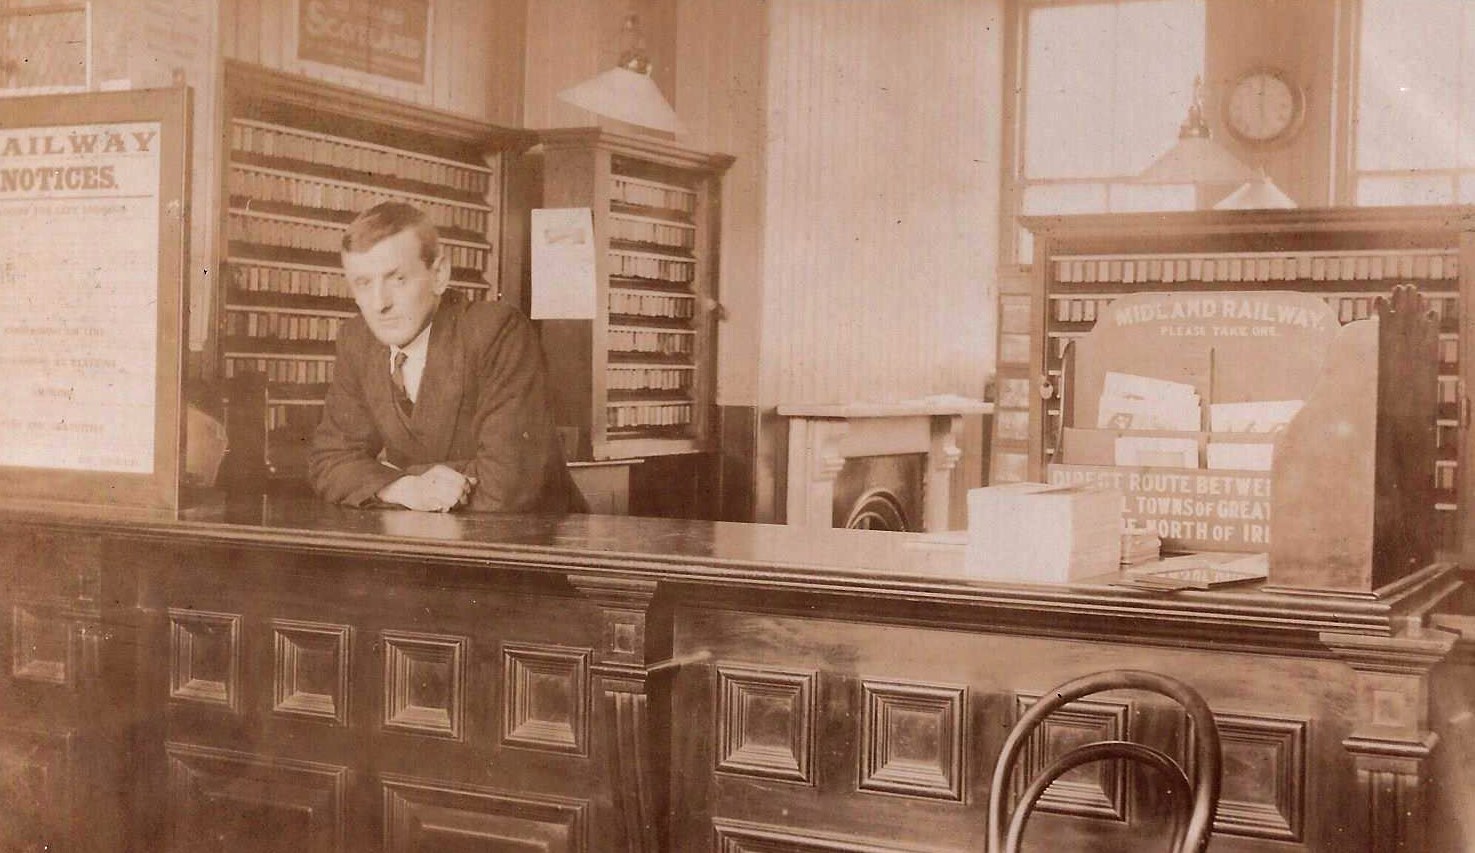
x=436, y=402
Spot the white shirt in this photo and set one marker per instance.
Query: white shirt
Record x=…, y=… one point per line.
x=415, y=353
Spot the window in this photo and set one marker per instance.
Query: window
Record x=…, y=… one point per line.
x=1105, y=87
x=1415, y=113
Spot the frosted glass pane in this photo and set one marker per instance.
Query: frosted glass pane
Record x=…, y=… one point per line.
x=1160, y=49
x=1467, y=189
x=1405, y=190
x=1467, y=89
x=1410, y=70
x=1106, y=85
x=1068, y=106
x=1065, y=198
x=1024, y=250
x=1128, y=198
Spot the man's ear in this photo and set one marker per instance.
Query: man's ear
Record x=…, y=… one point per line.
x=441, y=272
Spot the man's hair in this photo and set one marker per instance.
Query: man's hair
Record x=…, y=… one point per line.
x=386, y=219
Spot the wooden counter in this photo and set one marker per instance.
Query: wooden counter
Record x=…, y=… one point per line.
x=286, y=675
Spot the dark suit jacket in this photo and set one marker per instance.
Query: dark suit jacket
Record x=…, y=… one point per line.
x=482, y=410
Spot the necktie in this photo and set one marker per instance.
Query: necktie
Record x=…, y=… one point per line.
x=397, y=377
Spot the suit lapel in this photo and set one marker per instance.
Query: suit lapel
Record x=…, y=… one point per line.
x=434, y=421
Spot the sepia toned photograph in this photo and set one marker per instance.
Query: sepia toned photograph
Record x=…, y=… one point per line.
x=745, y=426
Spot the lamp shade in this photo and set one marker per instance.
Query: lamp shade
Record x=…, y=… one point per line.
x=626, y=95
x=1196, y=160
x=1258, y=193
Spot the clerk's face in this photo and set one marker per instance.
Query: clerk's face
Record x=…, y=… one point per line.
x=395, y=291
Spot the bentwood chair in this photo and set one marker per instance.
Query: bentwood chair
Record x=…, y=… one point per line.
x=1195, y=801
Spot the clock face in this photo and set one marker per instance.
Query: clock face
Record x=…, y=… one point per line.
x=1262, y=107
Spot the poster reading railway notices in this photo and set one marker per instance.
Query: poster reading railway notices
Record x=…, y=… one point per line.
x=79, y=290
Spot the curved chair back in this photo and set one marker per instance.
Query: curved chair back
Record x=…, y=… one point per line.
x=1197, y=799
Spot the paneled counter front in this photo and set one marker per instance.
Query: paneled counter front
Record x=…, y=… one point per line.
x=292, y=676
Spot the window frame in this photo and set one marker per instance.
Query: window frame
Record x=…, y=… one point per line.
x=1013, y=183
x=1349, y=175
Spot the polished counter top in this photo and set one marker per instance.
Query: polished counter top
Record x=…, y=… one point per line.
x=914, y=568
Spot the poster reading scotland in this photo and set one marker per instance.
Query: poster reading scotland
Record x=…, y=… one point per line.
x=79, y=286
x=389, y=38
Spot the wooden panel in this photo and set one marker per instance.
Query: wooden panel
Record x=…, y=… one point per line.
x=1095, y=790
x=1264, y=777
x=1297, y=38
x=765, y=722
x=42, y=565
x=624, y=635
x=225, y=800
x=35, y=784
x=720, y=94
x=734, y=836
x=429, y=817
x=881, y=209
x=311, y=670
x=424, y=683
x=546, y=697
x=568, y=41
x=204, y=658
x=912, y=739
x=43, y=647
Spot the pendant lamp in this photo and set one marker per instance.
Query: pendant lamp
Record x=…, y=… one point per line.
x=1196, y=158
x=627, y=92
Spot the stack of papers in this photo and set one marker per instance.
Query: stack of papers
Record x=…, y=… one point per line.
x=1034, y=533
x=1156, y=452
x=1129, y=401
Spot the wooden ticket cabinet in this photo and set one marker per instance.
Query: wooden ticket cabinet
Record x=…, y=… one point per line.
x=637, y=380
x=1345, y=256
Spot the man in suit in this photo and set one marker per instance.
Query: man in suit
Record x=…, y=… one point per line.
x=436, y=402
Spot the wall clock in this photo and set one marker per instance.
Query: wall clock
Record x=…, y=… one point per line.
x=1263, y=107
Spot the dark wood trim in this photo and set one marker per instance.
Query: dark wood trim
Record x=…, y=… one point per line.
x=1444, y=222
x=646, y=148
x=257, y=82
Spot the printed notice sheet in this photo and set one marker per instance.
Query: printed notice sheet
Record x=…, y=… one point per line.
x=79, y=284
x=563, y=264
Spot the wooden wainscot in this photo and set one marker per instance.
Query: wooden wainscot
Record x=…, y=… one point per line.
x=1351, y=476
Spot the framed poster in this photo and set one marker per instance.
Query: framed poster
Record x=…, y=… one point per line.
x=382, y=38
x=94, y=191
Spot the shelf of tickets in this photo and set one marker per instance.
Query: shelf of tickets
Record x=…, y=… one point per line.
x=320, y=235
x=1346, y=255
x=247, y=255
x=324, y=179
x=339, y=219
x=637, y=380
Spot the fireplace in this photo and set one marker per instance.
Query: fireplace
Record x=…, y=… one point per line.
x=874, y=465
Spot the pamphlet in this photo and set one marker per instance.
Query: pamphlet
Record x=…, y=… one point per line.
x=1157, y=452
x=1198, y=571
x=1136, y=402
x=1240, y=456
